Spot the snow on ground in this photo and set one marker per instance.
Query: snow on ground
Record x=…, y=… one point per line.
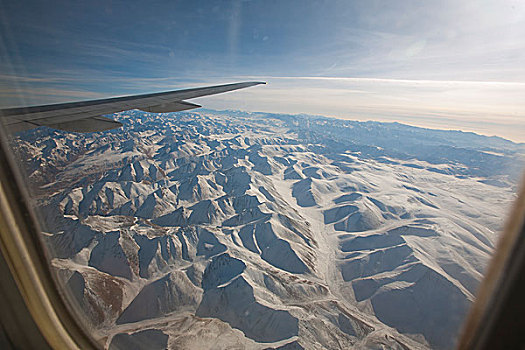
x=249, y=230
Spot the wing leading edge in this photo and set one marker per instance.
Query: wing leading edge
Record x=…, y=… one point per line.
x=87, y=116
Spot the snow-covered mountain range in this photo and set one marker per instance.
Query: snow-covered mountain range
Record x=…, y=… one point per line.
x=220, y=230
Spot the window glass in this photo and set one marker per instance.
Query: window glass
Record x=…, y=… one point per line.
x=354, y=200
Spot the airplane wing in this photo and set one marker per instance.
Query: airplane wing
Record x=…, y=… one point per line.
x=87, y=116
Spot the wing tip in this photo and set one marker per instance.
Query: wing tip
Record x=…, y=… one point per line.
x=252, y=83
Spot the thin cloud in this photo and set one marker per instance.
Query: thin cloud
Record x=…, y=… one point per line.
x=491, y=108
x=387, y=80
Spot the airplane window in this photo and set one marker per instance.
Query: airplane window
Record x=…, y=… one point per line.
x=354, y=200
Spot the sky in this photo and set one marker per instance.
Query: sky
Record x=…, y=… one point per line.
x=440, y=64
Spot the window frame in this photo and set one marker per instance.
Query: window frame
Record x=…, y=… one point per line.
x=49, y=307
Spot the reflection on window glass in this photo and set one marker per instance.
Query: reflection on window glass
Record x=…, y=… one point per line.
x=296, y=227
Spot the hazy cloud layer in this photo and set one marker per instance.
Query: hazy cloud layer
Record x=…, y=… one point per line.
x=487, y=108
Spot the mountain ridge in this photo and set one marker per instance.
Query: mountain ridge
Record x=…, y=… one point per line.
x=272, y=230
